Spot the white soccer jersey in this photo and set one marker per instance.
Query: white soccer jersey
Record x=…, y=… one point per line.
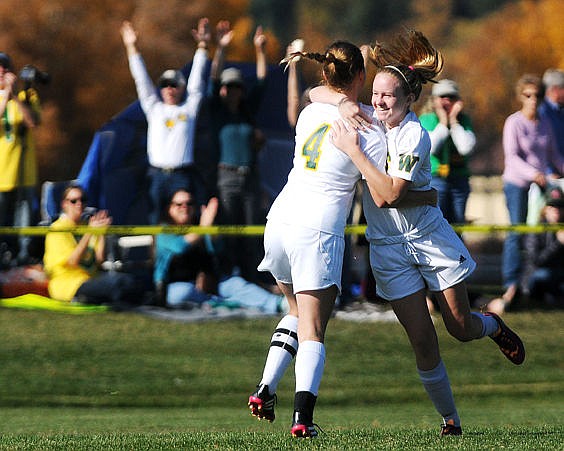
x=320, y=187
x=408, y=158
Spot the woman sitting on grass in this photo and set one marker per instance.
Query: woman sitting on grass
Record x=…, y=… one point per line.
x=186, y=273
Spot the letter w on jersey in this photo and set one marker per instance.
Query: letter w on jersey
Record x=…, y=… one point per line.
x=406, y=162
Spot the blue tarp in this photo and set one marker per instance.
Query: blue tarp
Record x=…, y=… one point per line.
x=113, y=173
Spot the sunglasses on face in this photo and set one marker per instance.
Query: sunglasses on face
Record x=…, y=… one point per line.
x=76, y=200
x=450, y=97
x=169, y=84
x=187, y=203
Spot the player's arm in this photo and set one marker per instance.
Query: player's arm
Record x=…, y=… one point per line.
x=349, y=110
x=385, y=189
x=417, y=199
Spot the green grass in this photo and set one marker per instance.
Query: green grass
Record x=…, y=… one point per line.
x=125, y=381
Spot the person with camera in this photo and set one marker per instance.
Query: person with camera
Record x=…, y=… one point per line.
x=72, y=263
x=19, y=113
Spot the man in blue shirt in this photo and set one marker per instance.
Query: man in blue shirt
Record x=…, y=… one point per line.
x=553, y=104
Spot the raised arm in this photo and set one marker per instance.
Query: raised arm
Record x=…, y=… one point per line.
x=196, y=83
x=224, y=36
x=202, y=34
x=260, y=42
x=293, y=100
x=207, y=217
x=129, y=38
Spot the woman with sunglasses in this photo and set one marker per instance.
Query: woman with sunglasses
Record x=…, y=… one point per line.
x=529, y=147
x=72, y=263
x=186, y=272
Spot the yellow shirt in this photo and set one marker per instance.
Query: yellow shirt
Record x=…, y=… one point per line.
x=65, y=280
x=12, y=174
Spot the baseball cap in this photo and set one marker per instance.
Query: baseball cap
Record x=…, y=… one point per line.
x=5, y=60
x=172, y=76
x=553, y=77
x=444, y=88
x=231, y=76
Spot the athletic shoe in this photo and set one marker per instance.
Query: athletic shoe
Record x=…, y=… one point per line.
x=508, y=341
x=261, y=403
x=448, y=428
x=303, y=427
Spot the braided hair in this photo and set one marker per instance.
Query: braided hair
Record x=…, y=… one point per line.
x=411, y=59
x=341, y=63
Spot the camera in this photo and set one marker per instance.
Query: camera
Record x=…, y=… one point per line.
x=31, y=74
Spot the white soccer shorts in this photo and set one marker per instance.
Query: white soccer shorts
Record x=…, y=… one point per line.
x=307, y=258
x=438, y=261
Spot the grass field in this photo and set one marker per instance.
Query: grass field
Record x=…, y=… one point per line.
x=126, y=381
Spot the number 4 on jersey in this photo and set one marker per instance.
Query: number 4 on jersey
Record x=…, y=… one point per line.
x=312, y=147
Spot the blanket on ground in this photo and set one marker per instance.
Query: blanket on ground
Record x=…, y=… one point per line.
x=34, y=301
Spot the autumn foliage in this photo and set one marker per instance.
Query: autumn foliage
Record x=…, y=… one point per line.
x=78, y=43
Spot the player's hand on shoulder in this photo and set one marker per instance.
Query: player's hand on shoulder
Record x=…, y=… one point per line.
x=354, y=115
x=343, y=138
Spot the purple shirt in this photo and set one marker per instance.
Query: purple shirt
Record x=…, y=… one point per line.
x=529, y=147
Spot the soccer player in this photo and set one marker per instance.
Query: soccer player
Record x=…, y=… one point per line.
x=415, y=248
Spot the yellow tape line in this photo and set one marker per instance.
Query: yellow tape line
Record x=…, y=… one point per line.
x=249, y=229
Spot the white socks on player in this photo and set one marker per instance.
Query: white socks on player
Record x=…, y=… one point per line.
x=310, y=363
x=437, y=385
x=283, y=348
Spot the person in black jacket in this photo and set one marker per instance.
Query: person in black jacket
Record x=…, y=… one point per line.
x=545, y=253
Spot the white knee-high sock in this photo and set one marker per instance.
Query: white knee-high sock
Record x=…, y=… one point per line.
x=283, y=348
x=438, y=388
x=489, y=324
x=310, y=363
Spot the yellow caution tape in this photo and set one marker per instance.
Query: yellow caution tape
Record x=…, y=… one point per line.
x=249, y=229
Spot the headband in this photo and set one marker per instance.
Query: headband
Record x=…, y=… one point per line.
x=399, y=72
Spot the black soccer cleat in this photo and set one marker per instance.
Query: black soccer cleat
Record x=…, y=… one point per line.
x=508, y=341
x=303, y=427
x=448, y=428
x=261, y=403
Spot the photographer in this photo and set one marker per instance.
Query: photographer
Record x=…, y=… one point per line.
x=19, y=113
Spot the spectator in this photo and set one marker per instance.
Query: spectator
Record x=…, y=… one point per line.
x=452, y=142
x=529, y=147
x=171, y=118
x=552, y=106
x=545, y=254
x=233, y=110
x=186, y=271
x=20, y=112
x=72, y=263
